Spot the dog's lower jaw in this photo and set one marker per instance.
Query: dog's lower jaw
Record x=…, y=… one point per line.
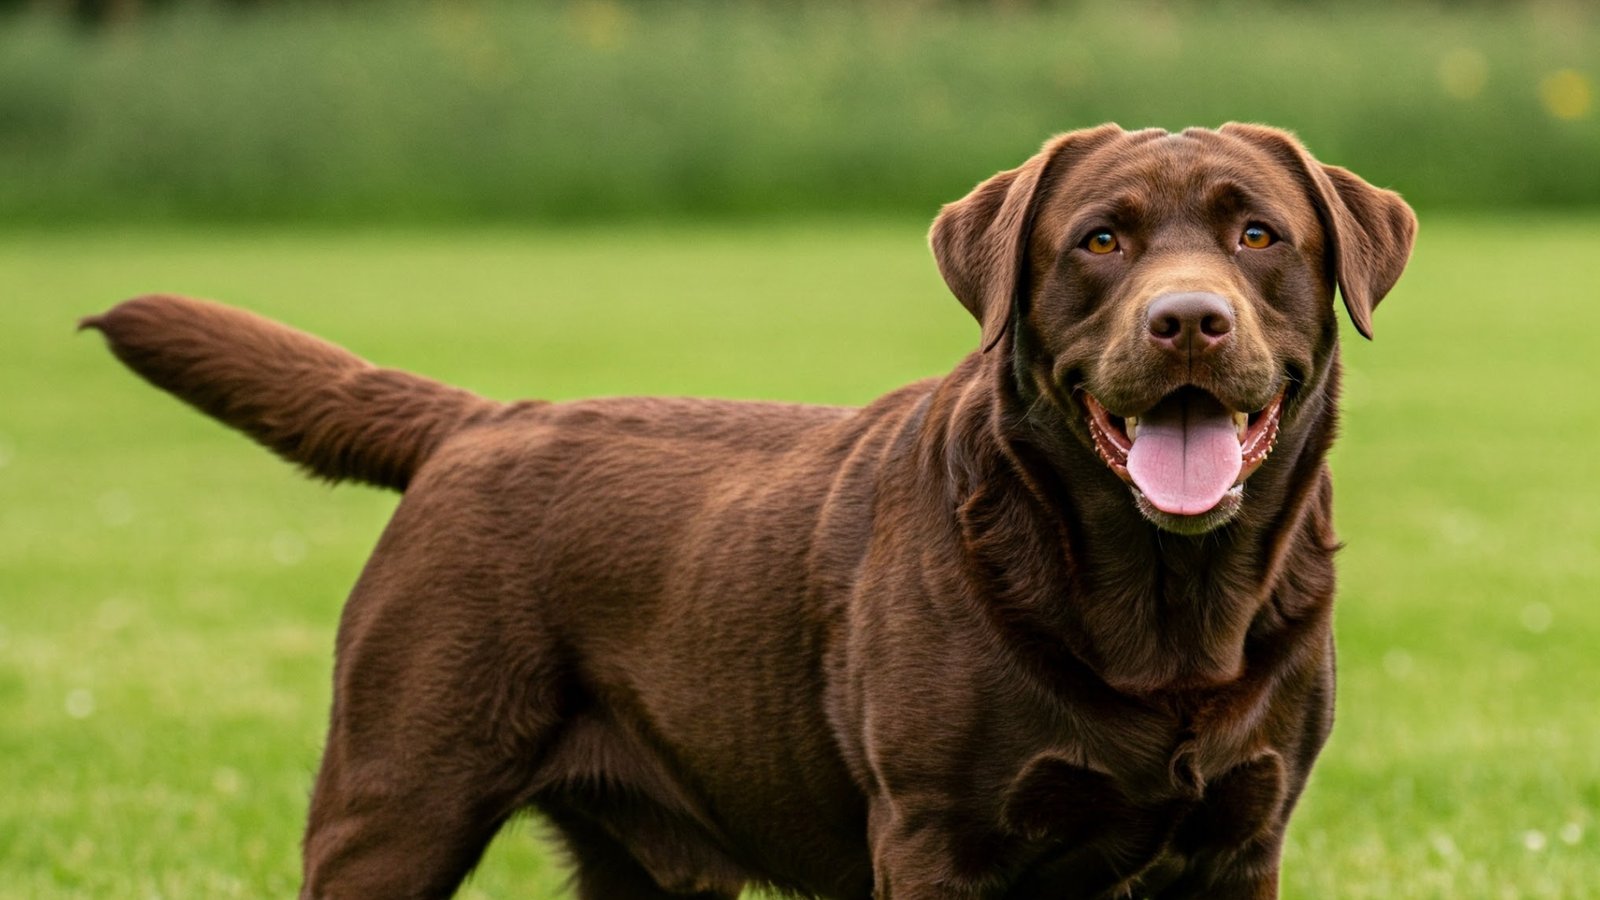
x=1192, y=526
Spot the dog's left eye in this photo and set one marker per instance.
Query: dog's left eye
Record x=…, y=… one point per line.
x=1101, y=241
x=1257, y=236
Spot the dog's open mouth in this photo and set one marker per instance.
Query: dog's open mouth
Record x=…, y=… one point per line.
x=1188, y=455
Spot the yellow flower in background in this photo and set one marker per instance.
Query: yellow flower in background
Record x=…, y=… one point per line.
x=1566, y=94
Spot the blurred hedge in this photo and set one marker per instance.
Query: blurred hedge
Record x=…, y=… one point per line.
x=483, y=111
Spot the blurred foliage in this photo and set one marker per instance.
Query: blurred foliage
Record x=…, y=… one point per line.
x=490, y=111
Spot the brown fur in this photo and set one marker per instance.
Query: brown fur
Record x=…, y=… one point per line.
x=925, y=649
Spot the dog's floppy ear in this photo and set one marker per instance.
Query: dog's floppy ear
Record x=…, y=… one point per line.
x=981, y=240
x=1370, y=230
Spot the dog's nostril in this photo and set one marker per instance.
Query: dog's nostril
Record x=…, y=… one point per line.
x=1216, y=326
x=1165, y=326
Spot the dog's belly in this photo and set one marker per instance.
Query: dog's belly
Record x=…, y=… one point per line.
x=706, y=824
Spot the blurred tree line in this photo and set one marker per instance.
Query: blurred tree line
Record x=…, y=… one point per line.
x=492, y=110
x=101, y=12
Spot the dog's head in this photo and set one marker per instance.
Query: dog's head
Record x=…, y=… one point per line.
x=1173, y=294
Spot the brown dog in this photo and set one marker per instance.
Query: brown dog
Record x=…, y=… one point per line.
x=1053, y=626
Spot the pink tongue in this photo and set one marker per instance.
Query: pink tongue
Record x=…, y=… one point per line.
x=1185, y=453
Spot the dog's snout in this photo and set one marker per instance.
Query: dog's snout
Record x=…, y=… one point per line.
x=1189, y=323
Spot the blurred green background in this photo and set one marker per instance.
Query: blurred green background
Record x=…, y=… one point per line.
x=465, y=111
x=730, y=199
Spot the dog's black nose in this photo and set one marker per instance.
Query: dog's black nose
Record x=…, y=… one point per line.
x=1190, y=323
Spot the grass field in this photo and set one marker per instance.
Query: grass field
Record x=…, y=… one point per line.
x=168, y=591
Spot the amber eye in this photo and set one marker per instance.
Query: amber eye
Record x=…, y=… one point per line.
x=1102, y=241
x=1256, y=236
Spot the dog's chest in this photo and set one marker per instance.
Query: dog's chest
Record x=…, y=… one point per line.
x=1138, y=812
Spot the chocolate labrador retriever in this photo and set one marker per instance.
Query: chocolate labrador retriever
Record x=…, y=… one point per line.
x=1055, y=625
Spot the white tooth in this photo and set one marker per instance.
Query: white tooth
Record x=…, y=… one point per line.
x=1133, y=427
x=1241, y=423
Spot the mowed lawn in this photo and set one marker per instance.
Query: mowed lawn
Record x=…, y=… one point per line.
x=169, y=591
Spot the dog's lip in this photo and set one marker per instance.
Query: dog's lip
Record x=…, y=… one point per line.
x=1112, y=441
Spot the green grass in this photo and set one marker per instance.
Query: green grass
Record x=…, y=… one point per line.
x=168, y=591
x=495, y=110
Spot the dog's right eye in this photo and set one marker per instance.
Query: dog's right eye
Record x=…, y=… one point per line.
x=1257, y=236
x=1102, y=241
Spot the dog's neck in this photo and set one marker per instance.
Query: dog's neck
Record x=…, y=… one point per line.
x=1064, y=552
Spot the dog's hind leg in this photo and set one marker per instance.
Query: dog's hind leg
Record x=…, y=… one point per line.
x=373, y=834
x=439, y=711
x=413, y=786
x=418, y=775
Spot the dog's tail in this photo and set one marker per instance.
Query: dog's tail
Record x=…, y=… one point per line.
x=334, y=414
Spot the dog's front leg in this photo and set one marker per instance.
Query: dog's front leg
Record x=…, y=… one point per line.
x=1234, y=839
x=1249, y=874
